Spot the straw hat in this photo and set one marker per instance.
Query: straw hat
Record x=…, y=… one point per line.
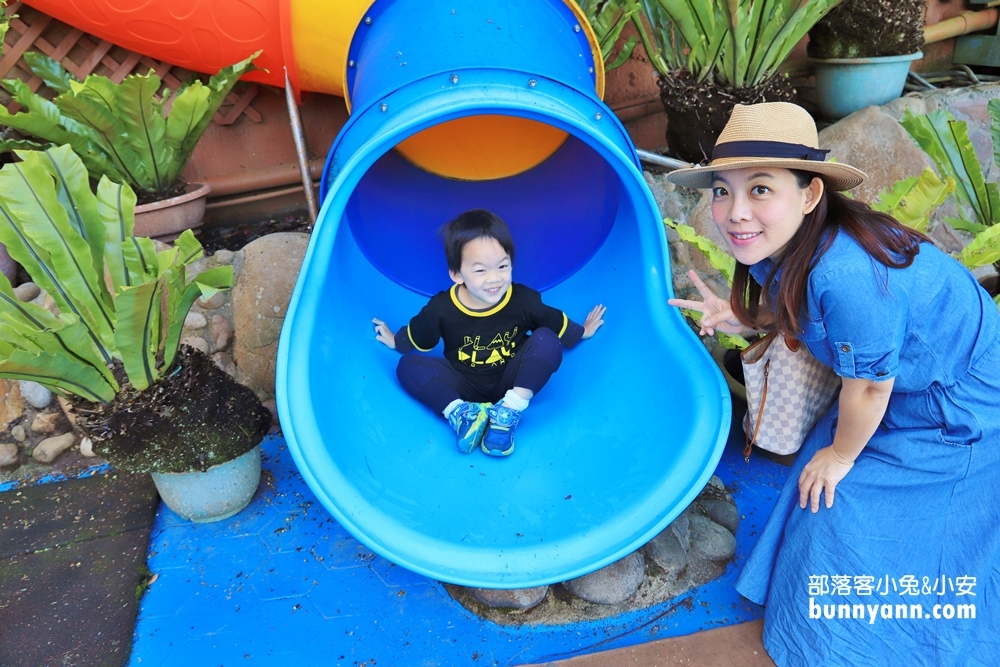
x=771, y=134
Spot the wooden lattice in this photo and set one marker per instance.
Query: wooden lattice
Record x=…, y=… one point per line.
x=83, y=54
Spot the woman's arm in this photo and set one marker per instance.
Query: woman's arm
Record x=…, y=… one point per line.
x=862, y=406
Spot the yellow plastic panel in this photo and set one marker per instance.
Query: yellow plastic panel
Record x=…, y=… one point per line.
x=481, y=148
x=322, y=32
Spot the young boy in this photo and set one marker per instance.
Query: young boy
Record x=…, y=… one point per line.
x=491, y=366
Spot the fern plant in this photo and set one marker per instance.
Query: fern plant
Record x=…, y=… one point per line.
x=946, y=141
x=608, y=20
x=121, y=131
x=119, y=300
x=738, y=43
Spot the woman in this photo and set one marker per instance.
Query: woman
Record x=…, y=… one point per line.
x=883, y=546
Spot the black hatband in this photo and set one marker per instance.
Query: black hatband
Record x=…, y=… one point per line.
x=772, y=149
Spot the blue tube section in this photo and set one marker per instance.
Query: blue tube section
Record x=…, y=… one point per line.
x=625, y=434
x=400, y=41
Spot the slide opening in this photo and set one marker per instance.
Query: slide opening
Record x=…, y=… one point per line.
x=560, y=212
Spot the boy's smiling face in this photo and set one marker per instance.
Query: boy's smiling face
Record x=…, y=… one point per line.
x=486, y=273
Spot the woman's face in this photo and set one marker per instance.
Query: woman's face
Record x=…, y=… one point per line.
x=759, y=209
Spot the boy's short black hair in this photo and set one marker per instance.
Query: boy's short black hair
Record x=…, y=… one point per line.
x=469, y=226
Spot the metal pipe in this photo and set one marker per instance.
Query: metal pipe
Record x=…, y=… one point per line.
x=962, y=24
x=300, y=149
x=662, y=161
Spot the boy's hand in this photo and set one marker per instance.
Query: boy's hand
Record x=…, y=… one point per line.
x=383, y=334
x=593, y=322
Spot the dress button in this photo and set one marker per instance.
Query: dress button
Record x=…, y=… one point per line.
x=845, y=348
x=880, y=374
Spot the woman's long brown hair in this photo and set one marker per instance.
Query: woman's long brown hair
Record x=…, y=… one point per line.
x=882, y=236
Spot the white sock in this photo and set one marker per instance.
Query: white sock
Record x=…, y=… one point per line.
x=451, y=407
x=515, y=402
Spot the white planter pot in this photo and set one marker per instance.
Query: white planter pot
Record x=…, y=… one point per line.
x=214, y=495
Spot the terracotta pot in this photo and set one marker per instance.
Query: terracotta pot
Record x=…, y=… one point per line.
x=166, y=219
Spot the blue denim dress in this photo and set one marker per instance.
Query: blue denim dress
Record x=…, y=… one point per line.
x=893, y=573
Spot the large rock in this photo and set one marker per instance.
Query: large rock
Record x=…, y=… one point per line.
x=710, y=540
x=8, y=454
x=611, y=584
x=517, y=598
x=35, y=394
x=722, y=512
x=266, y=272
x=11, y=403
x=48, y=449
x=666, y=551
x=874, y=142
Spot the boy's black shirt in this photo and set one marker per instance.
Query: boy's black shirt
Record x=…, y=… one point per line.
x=479, y=343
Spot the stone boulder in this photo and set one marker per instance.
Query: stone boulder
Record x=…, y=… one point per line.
x=874, y=142
x=517, y=598
x=611, y=584
x=266, y=271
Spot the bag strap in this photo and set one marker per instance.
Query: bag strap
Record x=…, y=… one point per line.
x=750, y=439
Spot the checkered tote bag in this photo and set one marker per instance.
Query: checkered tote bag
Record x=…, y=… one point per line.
x=787, y=391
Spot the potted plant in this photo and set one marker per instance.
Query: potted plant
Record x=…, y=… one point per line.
x=710, y=56
x=862, y=51
x=113, y=345
x=124, y=132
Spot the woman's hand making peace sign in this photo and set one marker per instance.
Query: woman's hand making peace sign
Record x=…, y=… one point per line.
x=717, y=313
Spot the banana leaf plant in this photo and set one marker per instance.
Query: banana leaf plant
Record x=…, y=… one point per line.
x=911, y=201
x=122, y=131
x=946, y=141
x=119, y=300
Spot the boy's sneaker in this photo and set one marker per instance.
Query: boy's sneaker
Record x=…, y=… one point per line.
x=499, y=438
x=469, y=421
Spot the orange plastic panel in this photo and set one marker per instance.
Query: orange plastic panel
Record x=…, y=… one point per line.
x=478, y=148
x=207, y=35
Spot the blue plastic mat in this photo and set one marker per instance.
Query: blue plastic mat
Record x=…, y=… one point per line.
x=282, y=583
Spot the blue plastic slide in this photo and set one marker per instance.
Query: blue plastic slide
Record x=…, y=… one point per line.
x=630, y=428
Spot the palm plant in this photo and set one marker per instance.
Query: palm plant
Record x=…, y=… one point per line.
x=122, y=131
x=712, y=55
x=121, y=310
